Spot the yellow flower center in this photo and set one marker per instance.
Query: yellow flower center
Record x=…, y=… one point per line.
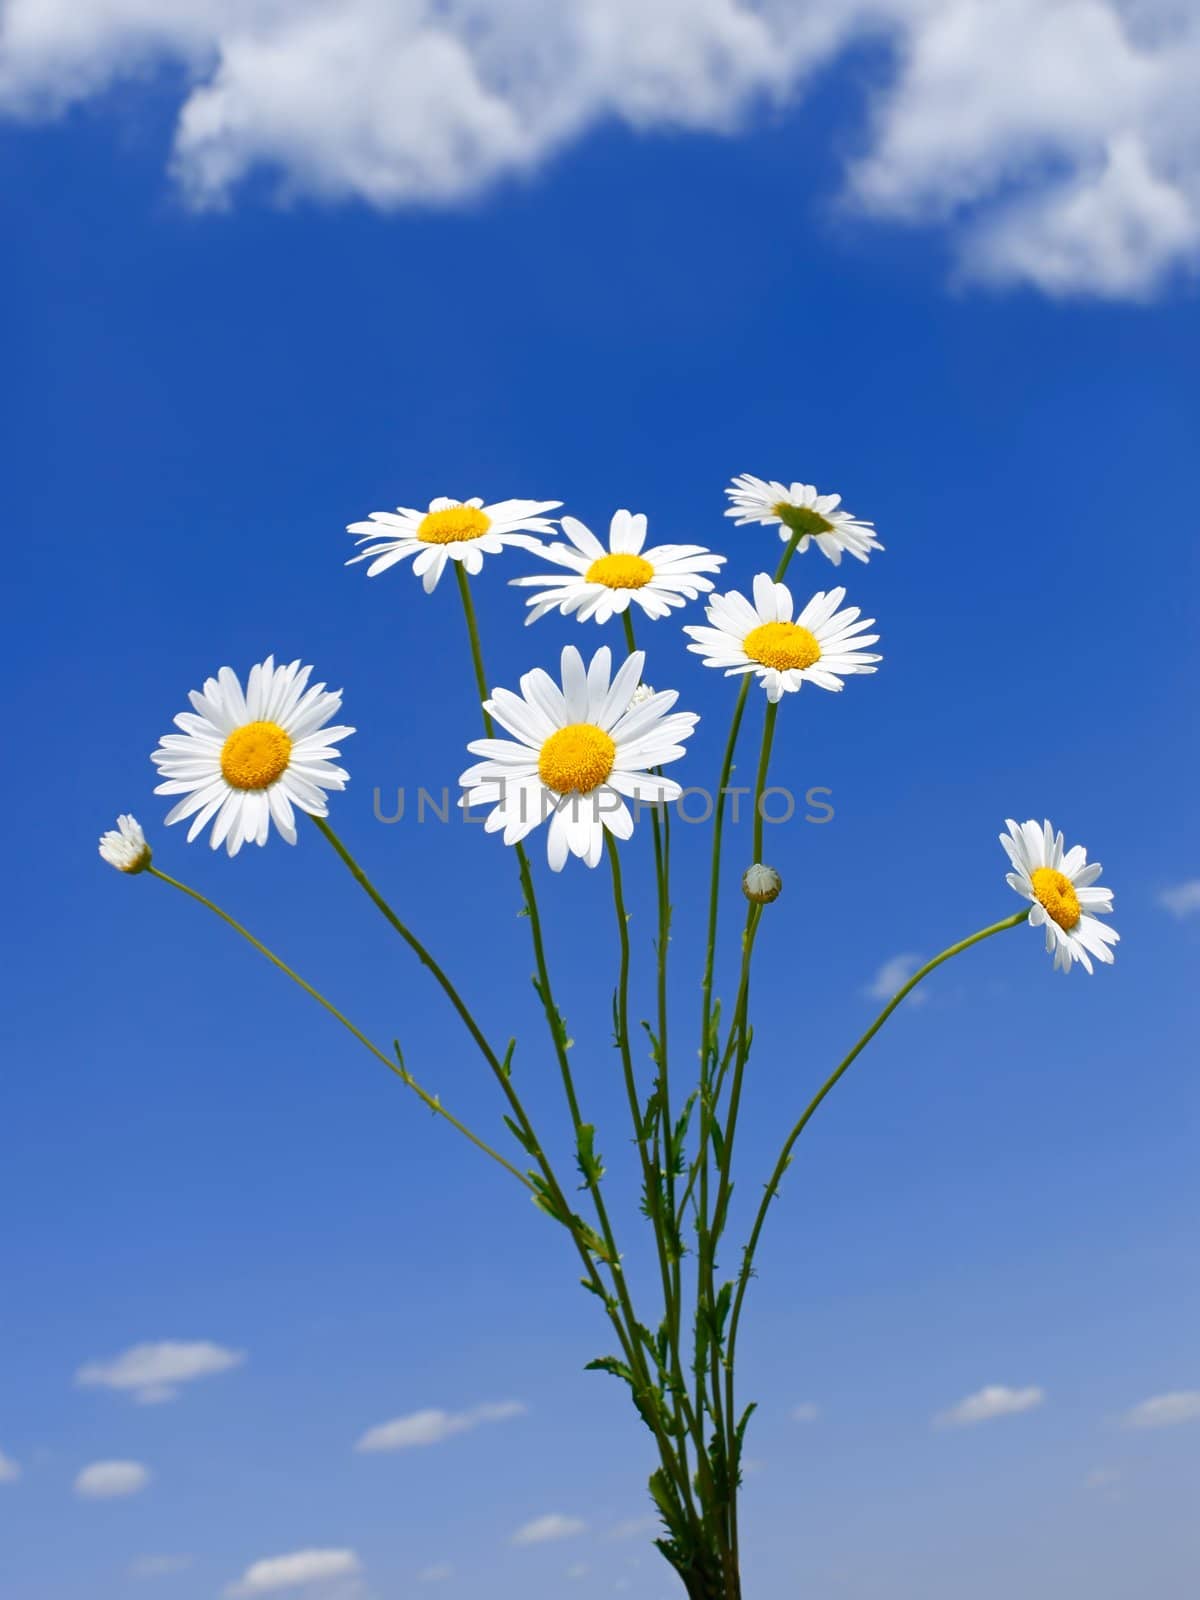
x=1057, y=894
x=801, y=519
x=255, y=755
x=620, y=572
x=453, y=524
x=782, y=645
x=576, y=759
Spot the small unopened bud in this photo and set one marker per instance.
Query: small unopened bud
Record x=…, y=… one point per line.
x=640, y=695
x=125, y=846
x=761, y=884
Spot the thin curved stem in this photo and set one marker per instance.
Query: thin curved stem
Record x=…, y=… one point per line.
x=419, y=949
x=842, y=1068
x=625, y=1333
x=396, y=1067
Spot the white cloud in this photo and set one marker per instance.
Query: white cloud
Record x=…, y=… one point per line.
x=1165, y=1410
x=577, y=1570
x=437, y=1573
x=1059, y=142
x=553, y=1526
x=299, y=1570
x=993, y=1401
x=111, y=1480
x=1181, y=899
x=152, y=1372
x=808, y=1412
x=894, y=972
x=634, y=1527
x=158, y=1566
x=431, y=1427
x=9, y=1470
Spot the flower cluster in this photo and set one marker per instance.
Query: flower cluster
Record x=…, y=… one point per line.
x=580, y=748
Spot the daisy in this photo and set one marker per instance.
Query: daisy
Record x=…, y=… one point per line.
x=451, y=530
x=603, y=583
x=577, y=754
x=247, y=759
x=800, y=509
x=1061, y=886
x=124, y=846
x=823, y=645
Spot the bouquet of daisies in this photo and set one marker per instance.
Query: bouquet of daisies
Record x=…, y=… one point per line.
x=581, y=754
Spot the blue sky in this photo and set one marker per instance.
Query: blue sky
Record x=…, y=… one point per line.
x=625, y=311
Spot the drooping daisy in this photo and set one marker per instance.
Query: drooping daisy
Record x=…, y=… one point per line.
x=578, y=752
x=246, y=759
x=124, y=846
x=822, y=646
x=798, y=508
x=603, y=583
x=451, y=530
x=1062, y=887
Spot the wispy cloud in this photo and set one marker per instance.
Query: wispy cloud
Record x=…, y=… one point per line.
x=552, y=1526
x=1165, y=1410
x=153, y=1372
x=111, y=1480
x=431, y=1427
x=9, y=1470
x=158, y=1566
x=577, y=1570
x=634, y=1527
x=1181, y=899
x=895, y=971
x=436, y=1572
x=989, y=1403
x=299, y=1570
x=806, y=1412
x=1088, y=181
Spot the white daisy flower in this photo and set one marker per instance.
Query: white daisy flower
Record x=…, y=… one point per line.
x=125, y=846
x=822, y=646
x=451, y=530
x=577, y=754
x=798, y=508
x=603, y=583
x=247, y=759
x=1062, y=887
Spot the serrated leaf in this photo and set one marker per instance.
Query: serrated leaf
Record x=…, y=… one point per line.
x=591, y=1165
x=615, y=1366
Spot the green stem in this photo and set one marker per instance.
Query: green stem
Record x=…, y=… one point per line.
x=400, y=1071
x=662, y=875
x=760, y=782
x=415, y=945
x=630, y=1341
x=781, y=1164
x=714, y=887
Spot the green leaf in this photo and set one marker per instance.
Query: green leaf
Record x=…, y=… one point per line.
x=525, y=1140
x=591, y=1165
x=615, y=1366
x=718, y=1141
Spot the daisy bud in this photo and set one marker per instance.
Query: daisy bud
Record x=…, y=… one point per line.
x=761, y=884
x=641, y=694
x=125, y=847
